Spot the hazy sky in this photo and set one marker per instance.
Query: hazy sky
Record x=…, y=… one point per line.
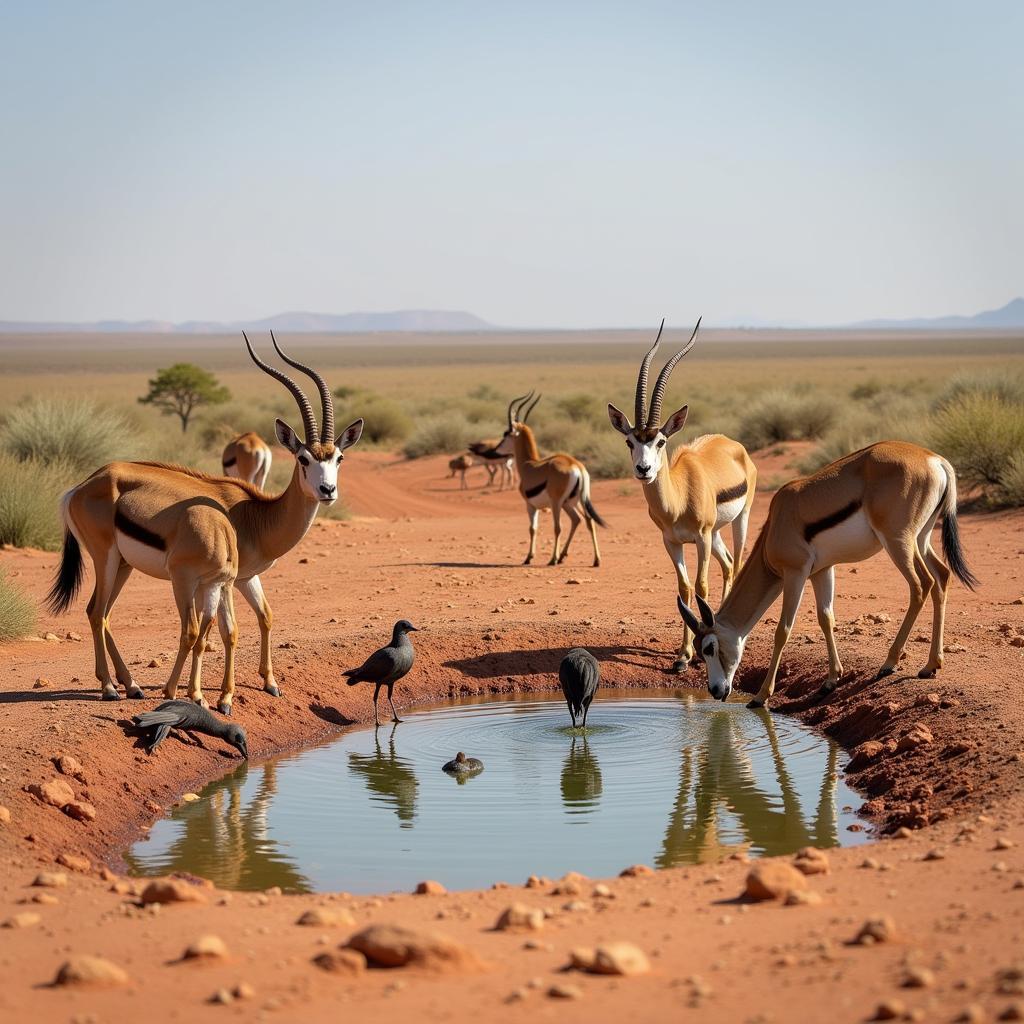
x=562, y=164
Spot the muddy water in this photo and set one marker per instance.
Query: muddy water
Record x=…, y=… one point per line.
x=657, y=778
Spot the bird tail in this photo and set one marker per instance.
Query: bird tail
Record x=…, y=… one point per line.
x=588, y=507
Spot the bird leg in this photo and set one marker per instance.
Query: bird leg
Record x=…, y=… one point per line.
x=392, y=703
x=376, y=692
x=586, y=708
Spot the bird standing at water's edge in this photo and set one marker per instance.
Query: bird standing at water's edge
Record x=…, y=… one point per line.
x=386, y=666
x=189, y=717
x=579, y=675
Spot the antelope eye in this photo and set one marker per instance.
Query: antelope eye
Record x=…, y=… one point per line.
x=303, y=461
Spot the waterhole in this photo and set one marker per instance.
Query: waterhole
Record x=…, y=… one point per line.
x=656, y=777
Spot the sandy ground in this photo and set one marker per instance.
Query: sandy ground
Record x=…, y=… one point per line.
x=418, y=547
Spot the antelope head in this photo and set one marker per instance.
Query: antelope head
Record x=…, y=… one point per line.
x=320, y=454
x=516, y=421
x=718, y=647
x=647, y=437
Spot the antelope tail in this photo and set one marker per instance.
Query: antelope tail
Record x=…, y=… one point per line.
x=69, y=575
x=588, y=506
x=951, y=546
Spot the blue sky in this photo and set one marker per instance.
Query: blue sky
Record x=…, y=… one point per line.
x=540, y=164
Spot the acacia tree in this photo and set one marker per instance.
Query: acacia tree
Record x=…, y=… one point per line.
x=183, y=388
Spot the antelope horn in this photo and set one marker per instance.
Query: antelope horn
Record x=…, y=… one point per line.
x=662, y=382
x=308, y=419
x=521, y=398
x=640, y=417
x=326, y=402
x=528, y=411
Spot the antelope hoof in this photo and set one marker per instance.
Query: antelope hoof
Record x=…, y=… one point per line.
x=106, y=694
x=679, y=666
x=884, y=671
x=134, y=692
x=272, y=689
x=201, y=701
x=827, y=687
x=224, y=707
x=756, y=703
x=927, y=673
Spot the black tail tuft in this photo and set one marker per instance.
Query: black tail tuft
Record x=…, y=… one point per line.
x=69, y=576
x=593, y=513
x=953, y=551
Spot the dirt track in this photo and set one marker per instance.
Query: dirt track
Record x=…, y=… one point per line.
x=419, y=547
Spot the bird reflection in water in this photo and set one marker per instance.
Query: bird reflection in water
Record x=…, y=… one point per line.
x=390, y=778
x=581, y=778
x=719, y=777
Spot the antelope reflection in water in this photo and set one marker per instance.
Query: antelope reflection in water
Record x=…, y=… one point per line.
x=390, y=777
x=719, y=776
x=227, y=841
x=581, y=779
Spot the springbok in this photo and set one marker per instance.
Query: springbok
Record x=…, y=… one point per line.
x=888, y=495
x=487, y=455
x=248, y=457
x=706, y=484
x=203, y=533
x=556, y=482
x=460, y=464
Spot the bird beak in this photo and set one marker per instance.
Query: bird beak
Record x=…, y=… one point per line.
x=244, y=750
x=415, y=629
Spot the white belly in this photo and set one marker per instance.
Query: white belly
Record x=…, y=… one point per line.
x=142, y=557
x=729, y=510
x=540, y=500
x=852, y=540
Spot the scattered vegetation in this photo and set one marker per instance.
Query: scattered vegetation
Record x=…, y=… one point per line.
x=181, y=389
x=786, y=414
x=17, y=614
x=80, y=434
x=447, y=432
x=30, y=493
x=385, y=421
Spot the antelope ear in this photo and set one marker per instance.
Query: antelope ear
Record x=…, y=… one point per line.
x=349, y=435
x=675, y=421
x=688, y=617
x=619, y=420
x=706, y=614
x=287, y=437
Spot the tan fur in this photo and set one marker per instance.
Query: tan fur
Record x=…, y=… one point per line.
x=460, y=464
x=250, y=458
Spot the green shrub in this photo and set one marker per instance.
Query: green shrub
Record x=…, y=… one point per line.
x=385, y=422
x=17, y=613
x=77, y=433
x=1011, y=486
x=866, y=390
x=1006, y=385
x=30, y=493
x=446, y=432
x=983, y=436
x=786, y=415
x=583, y=408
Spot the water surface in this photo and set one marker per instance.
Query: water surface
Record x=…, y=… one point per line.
x=657, y=777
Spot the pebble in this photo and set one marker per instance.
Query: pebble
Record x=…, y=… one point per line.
x=773, y=879
x=74, y=862
x=326, y=917
x=934, y=855
x=26, y=919
x=1002, y=843
x=341, y=961
x=206, y=947
x=51, y=880
x=635, y=871
x=602, y=892
x=387, y=945
x=563, y=990
x=811, y=861
x=430, y=888
x=80, y=810
x=1013, y=1011
x=55, y=792
x=5, y=815
x=172, y=890
x=918, y=977
x=876, y=929
x=90, y=971
x=519, y=915
x=802, y=898
x=971, y=1014
x=890, y=1009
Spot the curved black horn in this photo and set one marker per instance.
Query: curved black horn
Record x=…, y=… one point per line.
x=308, y=418
x=326, y=402
x=514, y=402
x=640, y=417
x=526, y=415
x=662, y=382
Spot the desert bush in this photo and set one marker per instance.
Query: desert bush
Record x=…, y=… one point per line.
x=866, y=390
x=17, y=613
x=445, y=432
x=1011, y=486
x=385, y=421
x=583, y=408
x=30, y=494
x=1005, y=385
x=786, y=415
x=76, y=433
x=603, y=452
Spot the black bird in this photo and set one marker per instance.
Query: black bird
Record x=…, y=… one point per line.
x=579, y=675
x=462, y=765
x=190, y=717
x=386, y=666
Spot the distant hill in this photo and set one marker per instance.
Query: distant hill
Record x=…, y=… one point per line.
x=319, y=323
x=1010, y=315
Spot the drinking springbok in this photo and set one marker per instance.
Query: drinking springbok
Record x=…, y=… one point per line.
x=204, y=534
x=248, y=457
x=557, y=482
x=704, y=486
x=888, y=495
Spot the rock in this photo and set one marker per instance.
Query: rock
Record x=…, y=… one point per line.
x=875, y=929
x=41, y=683
x=5, y=815
x=602, y=892
x=865, y=754
x=243, y=991
x=918, y=735
x=802, y=898
x=206, y=947
x=341, y=961
x=189, y=798
x=80, y=810
x=567, y=888
x=811, y=861
x=45, y=899
x=582, y=959
x=90, y=971
x=973, y=1013
x=222, y=997
x=70, y=766
x=1003, y=843
x=1014, y=1011
x=519, y=915
x=52, y=637
x=154, y=663
x=635, y=871
x=890, y=1009
x=54, y=792
x=918, y=977
x=773, y=879
x=26, y=919
x=621, y=958
x=172, y=890
x=326, y=917
x=562, y=990
x=51, y=880
x=430, y=888
x=934, y=854
x=1010, y=980
x=74, y=862
x=386, y=945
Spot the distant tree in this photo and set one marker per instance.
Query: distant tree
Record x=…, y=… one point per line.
x=182, y=388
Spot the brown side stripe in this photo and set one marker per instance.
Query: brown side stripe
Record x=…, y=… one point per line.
x=534, y=491
x=733, y=493
x=139, y=533
x=229, y=462
x=813, y=529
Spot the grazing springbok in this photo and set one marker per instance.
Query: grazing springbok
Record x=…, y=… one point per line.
x=556, y=482
x=248, y=457
x=690, y=497
x=487, y=455
x=203, y=533
x=888, y=495
x=460, y=464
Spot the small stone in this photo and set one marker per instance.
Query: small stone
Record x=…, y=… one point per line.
x=386, y=945
x=563, y=990
x=1014, y=1011
x=621, y=958
x=70, y=766
x=802, y=898
x=577, y=906
x=934, y=854
x=41, y=683
x=172, y=890
x=971, y=1014
x=875, y=929
x=519, y=915
x=51, y=880
x=26, y=919
x=890, y=1009
x=189, y=798
x=1003, y=843
x=341, y=961
x=430, y=888
x=635, y=871
x=80, y=810
x=811, y=861
x=326, y=917
x=773, y=879
x=54, y=792
x=74, y=862
x=602, y=892
x=222, y=997
x=582, y=958
x=918, y=977
x=91, y=972
x=918, y=735
x=46, y=899
x=5, y=815
x=154, y=663
x=206, y=947
x=902, y=833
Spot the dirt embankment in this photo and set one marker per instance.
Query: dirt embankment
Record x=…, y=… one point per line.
x=941, y=757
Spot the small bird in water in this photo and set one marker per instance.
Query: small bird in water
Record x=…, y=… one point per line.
x=189, y=717
x=579, y=675
x=386, y=666
x=463, y=765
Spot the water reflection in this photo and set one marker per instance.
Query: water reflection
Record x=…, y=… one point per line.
x=718, y=780
x=581, y=778
x=389, y=777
